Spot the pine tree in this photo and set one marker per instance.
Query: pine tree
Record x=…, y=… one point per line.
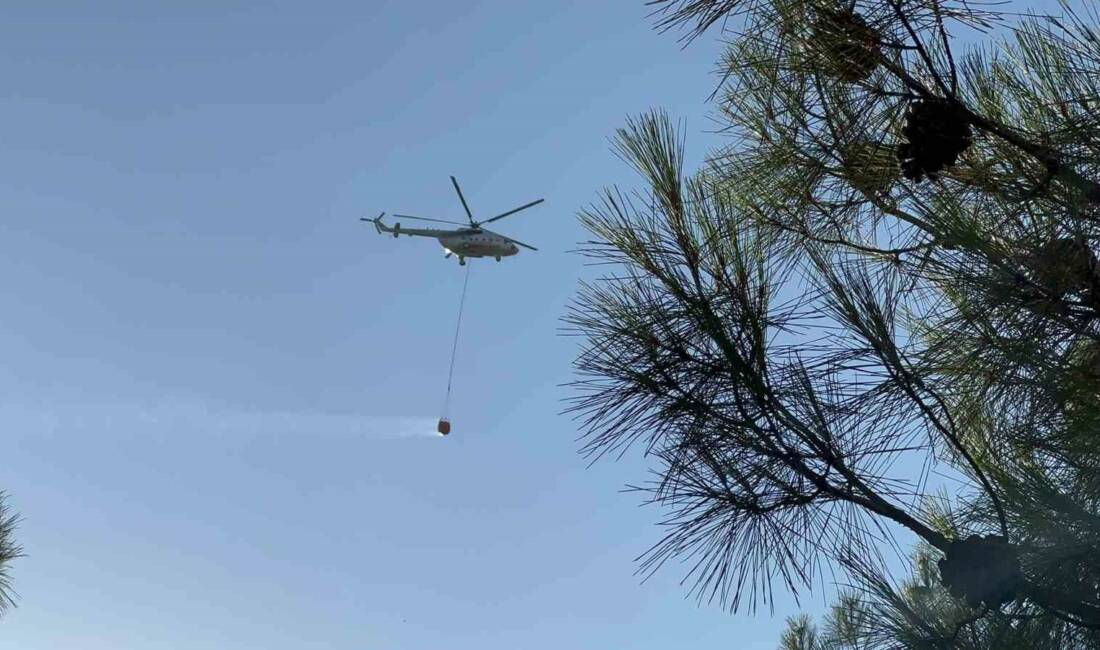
x=920, y=614
x=888, y=275
x=9, y=551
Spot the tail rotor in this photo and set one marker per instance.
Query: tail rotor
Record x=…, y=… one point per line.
x=377, y=221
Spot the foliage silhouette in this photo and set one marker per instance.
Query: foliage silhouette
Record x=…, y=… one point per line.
x=801, y=334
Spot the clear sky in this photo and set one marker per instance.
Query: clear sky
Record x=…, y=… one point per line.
x=217, y=383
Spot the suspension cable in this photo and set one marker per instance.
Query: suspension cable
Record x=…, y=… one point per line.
x=454, y=344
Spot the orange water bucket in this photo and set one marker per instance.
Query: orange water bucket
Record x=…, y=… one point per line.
x=444, y=426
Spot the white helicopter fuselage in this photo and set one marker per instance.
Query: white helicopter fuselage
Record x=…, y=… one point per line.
x=477, y=243
x=464, y=242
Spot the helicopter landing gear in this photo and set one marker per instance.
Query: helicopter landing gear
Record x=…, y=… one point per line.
x=462, y=261
x=498, y=258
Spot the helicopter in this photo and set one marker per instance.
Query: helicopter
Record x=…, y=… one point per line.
x=471, y=240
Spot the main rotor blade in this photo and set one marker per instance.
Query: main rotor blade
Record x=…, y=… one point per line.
x=409, y=216
x=511, y=212
x=516, y=241
x=463, y=199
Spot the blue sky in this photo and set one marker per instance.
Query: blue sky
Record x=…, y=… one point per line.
x=217, y=382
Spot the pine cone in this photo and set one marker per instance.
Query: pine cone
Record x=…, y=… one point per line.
x=846, y=46
x=936, y=132
x=1064, y=265
x=982, y=570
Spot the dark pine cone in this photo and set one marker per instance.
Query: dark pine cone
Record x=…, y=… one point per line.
x=1065, y=265
x=936, y=132
x=982, y=570
x=848, y=47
